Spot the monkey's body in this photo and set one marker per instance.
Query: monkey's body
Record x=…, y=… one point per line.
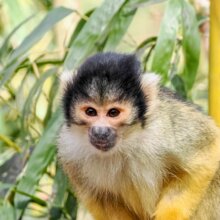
x=166, y=169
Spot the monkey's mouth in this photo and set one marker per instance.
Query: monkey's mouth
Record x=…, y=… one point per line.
x=102, y=145
x=102, y=138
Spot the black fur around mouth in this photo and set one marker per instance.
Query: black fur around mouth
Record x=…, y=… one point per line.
x=103, y=146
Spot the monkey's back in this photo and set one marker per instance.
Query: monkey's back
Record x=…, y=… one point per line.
x=209, y=208
x=193, y=132
x=191, y=128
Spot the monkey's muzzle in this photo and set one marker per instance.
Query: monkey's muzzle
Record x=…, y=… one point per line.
x=103, y=138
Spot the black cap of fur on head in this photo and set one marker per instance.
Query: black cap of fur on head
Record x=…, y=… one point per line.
x=103, y=77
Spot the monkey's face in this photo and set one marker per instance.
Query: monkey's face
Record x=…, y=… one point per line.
x=105, y=97
x=103, y=122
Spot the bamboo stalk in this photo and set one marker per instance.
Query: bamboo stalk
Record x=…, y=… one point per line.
x=214, y=61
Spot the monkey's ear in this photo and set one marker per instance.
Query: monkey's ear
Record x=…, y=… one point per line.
x=66, y=77
x=150, y=87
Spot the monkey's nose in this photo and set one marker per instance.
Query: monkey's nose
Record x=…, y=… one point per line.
x=103, y=138
x=101, y=133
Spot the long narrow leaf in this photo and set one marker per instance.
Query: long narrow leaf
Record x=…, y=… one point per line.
x=60, y=187
x=119, y=24
x=138, y=3
x=6, y=155
x=10, y=69
x=91, y=32
x=52, y=95
x=41, y=157
x=32, y=198
x=34, y=93
x=145, y=44
x=46, y=24
x=167, y=39
x=7, y=212
x=191, y=43
x=79, y=27
x=71, y=205
x=4, y=47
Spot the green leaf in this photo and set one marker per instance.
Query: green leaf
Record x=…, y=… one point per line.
x=71, y=205
x=46, y=24
x=10, y=69
x=59, y=187
x=191, y=44
x=33, y=198
x=52, y=95
x=34, y=94
x=86, y=40
x=79, y=27
x=39, y=160
x=179, y=85
x=167, y=39
x=7, y=212
x=6, y=155
x=138, y=3
x=145, y=44
x=4, y=48
x=4, y=186
x=118, y=27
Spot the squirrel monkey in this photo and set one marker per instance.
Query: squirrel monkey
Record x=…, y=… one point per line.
x=132, y=150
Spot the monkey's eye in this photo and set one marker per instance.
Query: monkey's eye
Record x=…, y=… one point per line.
x=91, y=112
x=113, y=112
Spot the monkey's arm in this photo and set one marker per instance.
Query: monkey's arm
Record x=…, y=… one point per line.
x=108, y=211
x=181, y=196
x=96, y=209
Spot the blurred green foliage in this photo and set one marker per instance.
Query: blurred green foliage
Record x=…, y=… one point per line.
x=31, y=183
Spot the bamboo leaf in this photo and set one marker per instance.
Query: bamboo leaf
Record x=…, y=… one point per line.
x=145, y=44
x=179, y=86
x=46, y=24
x=167, y=39
x=79, y=27
x=9, y=143
x=52, y=94
x=60, y=187
x=91, y=32
x=6, y=155
x=33, y=198
x=7, y=212
x=33, y=94
x=41, y=157
x=10, y=69
x=191, y=44
x=138, y=3
x=119, y=26
x=71, y=205
x=4, y=48
x=4, y=186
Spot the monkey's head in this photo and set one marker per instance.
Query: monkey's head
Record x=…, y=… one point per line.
x=106, y=95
